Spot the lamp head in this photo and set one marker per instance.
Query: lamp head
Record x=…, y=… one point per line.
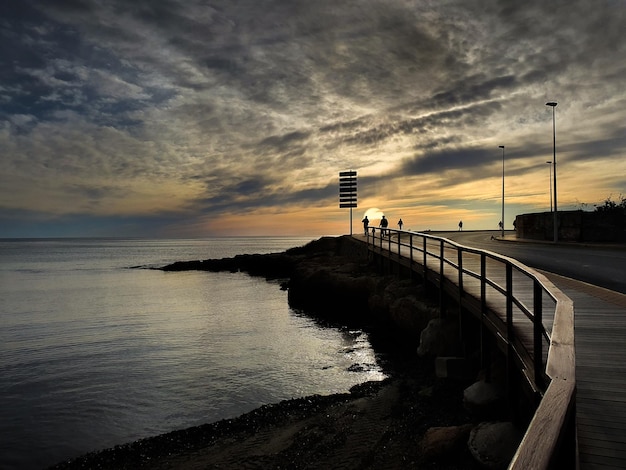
x=551, y=103
x=501, y=146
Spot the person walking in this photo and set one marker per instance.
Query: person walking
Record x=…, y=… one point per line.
x=400, y=224
x=460, y=225
x=366, y=223
x=383, y=224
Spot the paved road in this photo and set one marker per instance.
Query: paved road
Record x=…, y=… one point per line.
x=600, y=265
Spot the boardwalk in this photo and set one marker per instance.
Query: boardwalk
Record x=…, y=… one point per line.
x=600, y=337
x=600, y=326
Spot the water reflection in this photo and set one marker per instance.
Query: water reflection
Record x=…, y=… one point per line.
x=143, y=352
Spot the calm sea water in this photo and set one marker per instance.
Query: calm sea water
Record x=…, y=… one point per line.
x=94, y=354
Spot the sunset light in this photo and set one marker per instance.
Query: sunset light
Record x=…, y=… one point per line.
x=183, y=119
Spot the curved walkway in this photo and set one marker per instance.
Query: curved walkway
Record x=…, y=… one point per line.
x=600, y=342
x=600, y=329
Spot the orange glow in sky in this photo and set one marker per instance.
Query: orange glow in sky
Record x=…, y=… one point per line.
x=194, y=121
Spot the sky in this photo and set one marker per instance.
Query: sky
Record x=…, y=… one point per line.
x=192, y=118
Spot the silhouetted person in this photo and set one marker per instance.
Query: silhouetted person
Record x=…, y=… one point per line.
x=383, y=224
x=400, y=224
x=460, y=225
x=366, y=223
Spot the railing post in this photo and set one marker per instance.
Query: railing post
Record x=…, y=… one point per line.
x=411, y=254
x=538, y=333
x=399, y=243
x=483, y=283
x=441, y=264
x=485, y=337
x=442, y=313
x=425, y=260
x=460, y=264
x=485, y=352
x=509, y=302
x=510, y=364
x=459, y=252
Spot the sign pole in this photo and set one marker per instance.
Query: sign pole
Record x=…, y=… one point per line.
x=347, y=191
x=351, y=221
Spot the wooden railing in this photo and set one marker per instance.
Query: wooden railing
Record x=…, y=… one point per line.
x=524, y=310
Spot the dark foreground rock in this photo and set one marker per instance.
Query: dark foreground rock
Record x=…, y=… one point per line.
x=410, y=420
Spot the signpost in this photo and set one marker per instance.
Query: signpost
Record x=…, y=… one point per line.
x=347, y=191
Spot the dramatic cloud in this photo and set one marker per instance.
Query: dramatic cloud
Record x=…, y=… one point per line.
x=198, y=118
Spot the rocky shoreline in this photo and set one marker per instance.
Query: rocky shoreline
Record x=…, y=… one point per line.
x=376, y=425
x=412, y=419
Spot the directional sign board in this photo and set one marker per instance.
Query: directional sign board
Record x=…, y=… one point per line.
x=347, y=189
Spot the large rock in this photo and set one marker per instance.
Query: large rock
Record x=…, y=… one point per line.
x=457, y=368
x=493, y=444
x=411, y=313
x=439, y=338
x=441, y=442
x=332, y=286
x=485, y=400
x=273, y=265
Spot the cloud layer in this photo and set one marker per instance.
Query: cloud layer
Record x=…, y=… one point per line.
x=197, y=118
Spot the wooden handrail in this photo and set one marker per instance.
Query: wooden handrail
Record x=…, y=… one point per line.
x=540, y=444
x=546, y=429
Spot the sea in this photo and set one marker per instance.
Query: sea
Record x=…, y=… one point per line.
x=98, y=349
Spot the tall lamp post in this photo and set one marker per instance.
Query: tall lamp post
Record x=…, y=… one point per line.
x=552, y=104
x=550, y=184
x=502, y=219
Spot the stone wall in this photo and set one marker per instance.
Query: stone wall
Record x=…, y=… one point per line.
x=573, y=226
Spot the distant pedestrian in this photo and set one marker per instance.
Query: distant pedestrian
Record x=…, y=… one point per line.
x=500, y=225
x=366, y=223
x=400, y=224
x=460, y=225
x=383, y=225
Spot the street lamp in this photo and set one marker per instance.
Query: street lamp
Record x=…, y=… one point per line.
x=550, y=184
x=502, y=219
x=552, y=104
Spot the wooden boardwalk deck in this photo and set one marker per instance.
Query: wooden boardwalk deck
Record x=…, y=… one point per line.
x=600, y=341
x=600, y=332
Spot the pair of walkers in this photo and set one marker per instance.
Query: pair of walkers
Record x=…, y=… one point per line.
x=384, y=223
